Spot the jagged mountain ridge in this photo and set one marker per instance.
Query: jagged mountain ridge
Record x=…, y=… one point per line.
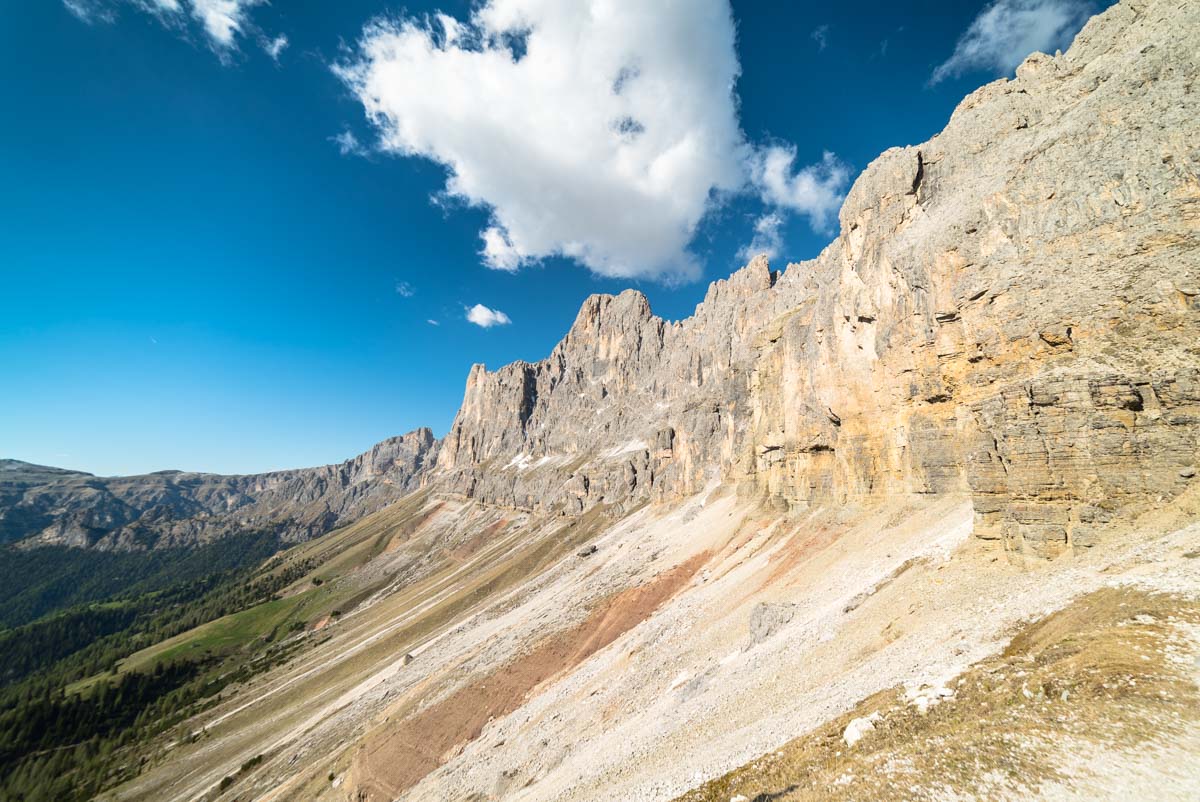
x=1008, y=313
x=41, y=506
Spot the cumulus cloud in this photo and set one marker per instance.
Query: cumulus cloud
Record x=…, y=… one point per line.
x=1007, y=31
x=499, y=252
x=483, y=317
x=601, y=130
x=221, y=20
x=594, y=130
x=816, y=190
x=768, y=238
x=404, y=289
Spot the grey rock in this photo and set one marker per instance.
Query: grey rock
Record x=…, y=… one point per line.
x=1008, y=314
x=42, y=506
x=768, y=618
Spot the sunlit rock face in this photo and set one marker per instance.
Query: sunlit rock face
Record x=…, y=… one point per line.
x=1009, y=312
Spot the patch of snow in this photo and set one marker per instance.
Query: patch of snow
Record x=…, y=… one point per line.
x=526, y=462
x=520, y=462
x=632, y=445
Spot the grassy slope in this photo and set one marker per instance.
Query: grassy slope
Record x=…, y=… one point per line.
x=301, y=590
x=301, y=605
x=449, y=591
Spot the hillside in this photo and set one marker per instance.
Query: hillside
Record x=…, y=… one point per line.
x=919, y=518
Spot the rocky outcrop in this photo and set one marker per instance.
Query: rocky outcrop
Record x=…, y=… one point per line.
x=1009, y=312
x=626, y=404
x=41, y=505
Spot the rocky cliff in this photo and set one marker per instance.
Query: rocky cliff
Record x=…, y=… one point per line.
x=1010, y=312
x=172, y=508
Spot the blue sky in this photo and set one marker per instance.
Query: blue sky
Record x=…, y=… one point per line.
x=212, y=259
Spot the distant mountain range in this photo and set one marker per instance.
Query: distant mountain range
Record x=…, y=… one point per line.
x=41, y=505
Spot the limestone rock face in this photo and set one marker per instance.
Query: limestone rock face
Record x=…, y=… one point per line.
x=1010, y=311
x=172, y=508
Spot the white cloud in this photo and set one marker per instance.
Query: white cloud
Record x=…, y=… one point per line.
x=348, y=144
x=600, y=130
x=1007, y=31
x=432, y=322
x=816, y=190
x=768, y=238
x=87, y=11
x=821, y=36
x=404, y=289
x=222, y=20
x=499, y=252
x=275, y=47
x=481, y=316
x=605, y=141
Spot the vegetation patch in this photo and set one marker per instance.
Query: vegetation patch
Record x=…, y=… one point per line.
x=42, y=580
x=86, y=688
x=247, y=767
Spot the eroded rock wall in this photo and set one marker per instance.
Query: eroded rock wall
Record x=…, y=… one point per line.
x=1010, y=311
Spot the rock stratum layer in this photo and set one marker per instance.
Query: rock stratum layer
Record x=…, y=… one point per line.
x=1009, y=312
x=43, y=506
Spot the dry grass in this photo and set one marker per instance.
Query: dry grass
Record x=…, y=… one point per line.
x=1111, y=671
